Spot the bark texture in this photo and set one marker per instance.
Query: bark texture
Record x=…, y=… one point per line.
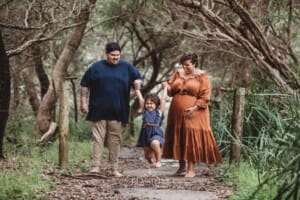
x=4, y=91
x=28, y=77
x=59, y=72
x=39, y=69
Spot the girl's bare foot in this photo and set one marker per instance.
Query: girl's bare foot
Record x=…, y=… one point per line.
x=158, y=164
x=190, y=174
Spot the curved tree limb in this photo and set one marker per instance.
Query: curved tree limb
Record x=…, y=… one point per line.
x=59, y=71
x=259, y=49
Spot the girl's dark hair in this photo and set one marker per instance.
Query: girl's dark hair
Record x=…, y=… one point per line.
x=154, y=98
x=189, y=56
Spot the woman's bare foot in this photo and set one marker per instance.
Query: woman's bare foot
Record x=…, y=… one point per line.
x=180, y=172
x=149, y=160
x=190, y=174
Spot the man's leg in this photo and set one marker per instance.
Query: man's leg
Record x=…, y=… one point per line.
x=114, y=130
x=99, y=132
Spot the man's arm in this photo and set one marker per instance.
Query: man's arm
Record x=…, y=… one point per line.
x=137, y=89
x=84, y=91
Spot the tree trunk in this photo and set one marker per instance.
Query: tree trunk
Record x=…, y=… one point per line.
x=4, y=91
x=39, y=69
x=63, y=126
x=28, y=73
x=15, y=79
x=59, y=72
x=237, y=124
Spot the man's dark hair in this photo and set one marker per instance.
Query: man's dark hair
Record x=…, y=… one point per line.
x=112, y=46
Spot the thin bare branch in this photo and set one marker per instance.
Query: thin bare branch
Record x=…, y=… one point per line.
x=39, y=38
x=23, y=28
x=27, y=13
x=260, y=49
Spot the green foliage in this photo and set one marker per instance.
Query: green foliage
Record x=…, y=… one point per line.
x=80, y=131
x=19, y=131
x=16, y=185
x=23, y=175
x=245, y=181
x=271, y=142
x=221, y=115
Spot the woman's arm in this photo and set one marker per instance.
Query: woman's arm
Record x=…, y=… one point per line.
x=204, y=93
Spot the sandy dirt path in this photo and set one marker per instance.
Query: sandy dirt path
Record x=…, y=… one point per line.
x=140, y=182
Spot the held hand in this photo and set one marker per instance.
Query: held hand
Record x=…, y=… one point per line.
x=164, y=85
x=137, y=84
x=84, y=108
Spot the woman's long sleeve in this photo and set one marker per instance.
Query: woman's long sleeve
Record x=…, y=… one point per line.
x=204, y=94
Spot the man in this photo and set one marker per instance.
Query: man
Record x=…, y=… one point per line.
x=106, y=84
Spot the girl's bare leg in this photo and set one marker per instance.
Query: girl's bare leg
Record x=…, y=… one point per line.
x=155, y=145
x=148, y=152
x=191, y=170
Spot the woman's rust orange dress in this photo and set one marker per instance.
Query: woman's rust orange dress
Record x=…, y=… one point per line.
x=190, y=137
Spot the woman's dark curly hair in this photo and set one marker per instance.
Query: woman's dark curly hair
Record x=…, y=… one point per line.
x=154, y=98
x=189, y=56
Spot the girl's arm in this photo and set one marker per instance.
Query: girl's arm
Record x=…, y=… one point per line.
x=137, y=89
x=164, y=95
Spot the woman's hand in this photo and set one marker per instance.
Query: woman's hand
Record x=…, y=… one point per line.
x=189, y=111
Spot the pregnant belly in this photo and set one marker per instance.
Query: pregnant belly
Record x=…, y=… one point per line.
x=181, y=102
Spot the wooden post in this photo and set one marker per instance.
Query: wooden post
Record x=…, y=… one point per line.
x=63, y=126
x=237, y=124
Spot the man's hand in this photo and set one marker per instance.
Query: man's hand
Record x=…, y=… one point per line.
x=84, y=108
x=83, y=100
x=137, y=84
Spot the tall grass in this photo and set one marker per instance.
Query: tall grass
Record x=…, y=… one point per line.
x=276, y=144
x=270, y=145
x=220, y=117
x=243, y=177
x=24, y=174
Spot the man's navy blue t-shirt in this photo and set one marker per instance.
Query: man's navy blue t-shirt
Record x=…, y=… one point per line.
x=109, y=86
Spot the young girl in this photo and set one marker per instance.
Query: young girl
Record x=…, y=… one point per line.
x=151, y=135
